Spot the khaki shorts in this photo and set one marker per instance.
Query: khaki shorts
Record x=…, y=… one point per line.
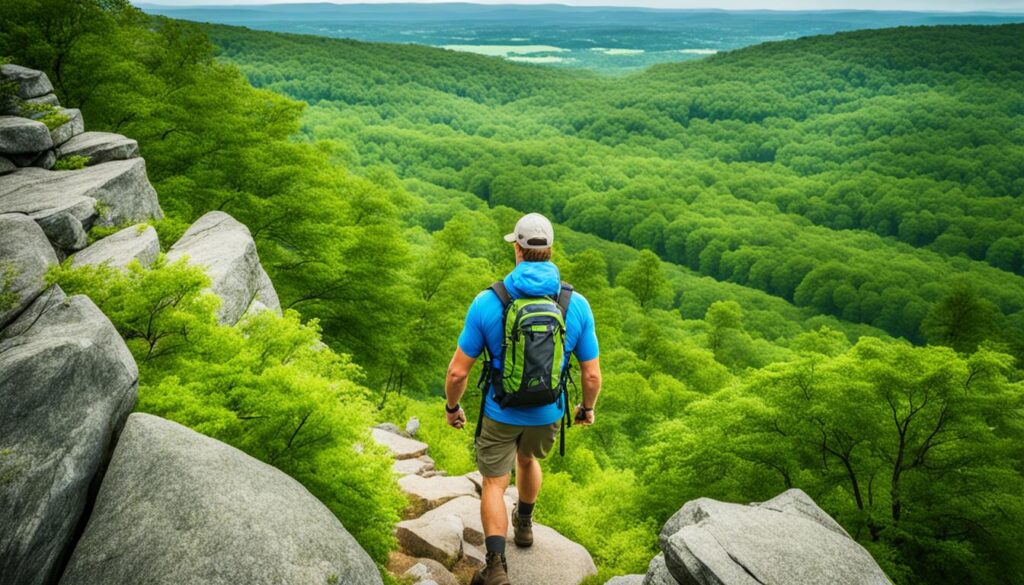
x=498, y=443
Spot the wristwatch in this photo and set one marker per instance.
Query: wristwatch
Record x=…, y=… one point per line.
x=452, y=410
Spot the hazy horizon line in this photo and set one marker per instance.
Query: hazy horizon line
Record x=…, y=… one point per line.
x=538, y=4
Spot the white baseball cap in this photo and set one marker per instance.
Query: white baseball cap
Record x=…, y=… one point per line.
x=533, y=232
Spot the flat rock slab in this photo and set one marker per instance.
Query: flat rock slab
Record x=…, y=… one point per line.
x=427, y=493
x=31, y=83
x=731, y=544
x=552, y=560
x=439, y=539
x=401, y=447
x=626, y=580
x=100, y=147
x=67, y=382
x=66, y=131
x=225, y=248
x=110, y=194
x=25, y=256
x=179, y=507
x=20, y=136
x=118, y=250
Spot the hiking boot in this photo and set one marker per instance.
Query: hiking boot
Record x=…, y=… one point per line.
x=523, y=527
x=495, y=572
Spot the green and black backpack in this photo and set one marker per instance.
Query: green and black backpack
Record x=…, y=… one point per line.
x=530, y=371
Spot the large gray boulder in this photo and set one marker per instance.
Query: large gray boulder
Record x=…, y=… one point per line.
x=31, y=83
x=67, y=382
x=225, y=248
x=138, y=242
x=20, y=136
x=178, y=507
x=110, y=194
x=100, y=147
x=716, y=543
x=6, y=166
x=25, y=256
x=66, y=131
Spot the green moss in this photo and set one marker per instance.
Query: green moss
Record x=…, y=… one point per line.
x=8, y=296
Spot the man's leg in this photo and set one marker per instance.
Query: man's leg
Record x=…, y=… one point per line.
x=528, y=478
x=493, y=513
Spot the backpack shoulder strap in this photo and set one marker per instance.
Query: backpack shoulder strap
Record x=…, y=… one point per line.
x=502, y=292
x=564, y=294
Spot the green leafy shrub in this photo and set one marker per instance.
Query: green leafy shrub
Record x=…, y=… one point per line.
x=73, y=162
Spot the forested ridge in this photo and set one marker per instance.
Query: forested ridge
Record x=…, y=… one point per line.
x=804, y=259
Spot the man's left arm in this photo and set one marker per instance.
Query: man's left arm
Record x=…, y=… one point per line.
x=586, y=352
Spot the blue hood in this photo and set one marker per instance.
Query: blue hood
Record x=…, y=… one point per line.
x=533, y=279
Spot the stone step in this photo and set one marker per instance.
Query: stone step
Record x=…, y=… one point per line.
x=427, y=493
x=400, y=447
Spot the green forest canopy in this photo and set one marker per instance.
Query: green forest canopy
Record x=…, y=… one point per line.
x=755, y=232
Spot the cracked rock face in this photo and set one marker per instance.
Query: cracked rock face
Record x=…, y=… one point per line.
x=225, y=249
x=110, y=194
x=785, y=540
x=176, y=507
x=25, y=256
x=66, y=131
x=67, y=382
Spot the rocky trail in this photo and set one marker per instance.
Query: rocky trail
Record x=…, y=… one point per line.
x=442, y=538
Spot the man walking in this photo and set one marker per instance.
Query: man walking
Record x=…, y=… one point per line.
x=527, y=326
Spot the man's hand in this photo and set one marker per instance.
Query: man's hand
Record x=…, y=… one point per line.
x=456, y=419
x=584, y=417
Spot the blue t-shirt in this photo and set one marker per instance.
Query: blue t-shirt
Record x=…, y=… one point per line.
x=484, y=326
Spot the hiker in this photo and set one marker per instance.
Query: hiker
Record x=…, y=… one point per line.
x=527, y=326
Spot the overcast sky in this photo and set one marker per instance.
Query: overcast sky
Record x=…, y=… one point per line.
x=919, y=5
